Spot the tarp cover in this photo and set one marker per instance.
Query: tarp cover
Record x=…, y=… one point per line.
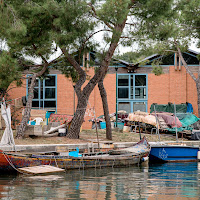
x=186, y=120
x=144, y=117
x=180, y=108
x=169, y=119
x=7, y=138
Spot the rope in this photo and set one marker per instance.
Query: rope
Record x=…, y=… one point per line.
x=113, y=162
x=55, y=161
x=50, y=162
x=12, y=165
x=99, y=163
x=95, y=163
x=79, y=165
x=82, y=162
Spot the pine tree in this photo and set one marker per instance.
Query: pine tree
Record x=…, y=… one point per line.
x=32, y=27
x=178, y=28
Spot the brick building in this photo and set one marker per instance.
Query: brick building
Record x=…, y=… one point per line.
x=137, y=87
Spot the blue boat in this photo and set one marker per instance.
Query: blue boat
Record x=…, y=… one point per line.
x=173, y=153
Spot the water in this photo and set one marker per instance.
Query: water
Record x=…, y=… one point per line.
x=178, y=181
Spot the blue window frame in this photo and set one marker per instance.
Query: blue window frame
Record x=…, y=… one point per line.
x=132, y=92
x=123, y=86
x=45, y=93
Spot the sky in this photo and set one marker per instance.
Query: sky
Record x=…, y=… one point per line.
x=98, y=37
x=121, y=49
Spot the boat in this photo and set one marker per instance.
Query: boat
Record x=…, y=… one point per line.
x=11, y=161
x=162, y=152
x=178, y=152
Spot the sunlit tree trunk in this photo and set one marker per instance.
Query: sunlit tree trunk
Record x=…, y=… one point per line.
x=22, y=127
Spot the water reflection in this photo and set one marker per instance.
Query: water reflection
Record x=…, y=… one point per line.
x=176, y=180
x=166, y=181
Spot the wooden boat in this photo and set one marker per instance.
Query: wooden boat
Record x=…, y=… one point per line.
x=173, y=153
x=11, y=161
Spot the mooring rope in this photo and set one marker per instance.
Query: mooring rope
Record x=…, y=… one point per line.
x=82, y=162
x=11, y=164
x=99, y=163
x=55, y=161
x=113, y=162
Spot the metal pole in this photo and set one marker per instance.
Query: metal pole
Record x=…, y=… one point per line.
x=74, y=98
x=157, y=129
x=139, y=130
x=116, y=68
x=175, y=122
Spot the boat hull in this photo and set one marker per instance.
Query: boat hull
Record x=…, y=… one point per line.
x=10, y=162
x=129, y=156
x=171, y=153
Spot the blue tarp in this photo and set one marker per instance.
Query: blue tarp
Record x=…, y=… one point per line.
x=189, y=108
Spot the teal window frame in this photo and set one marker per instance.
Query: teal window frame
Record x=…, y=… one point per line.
x=131, y=94
x=43, y=100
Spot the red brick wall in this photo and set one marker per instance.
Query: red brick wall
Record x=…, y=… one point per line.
x=175, y=86
x=65, y=97
x=17, y=92
x=191, y=92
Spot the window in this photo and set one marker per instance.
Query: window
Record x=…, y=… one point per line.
x=132, y=87
x=140, y=86
x=123, y=86
x=139, y=106
x=123, y=93
x=190, y=60
x=123, y=80
x=167, y=60
x=125, y=106
x=132, y=92
x=44, y=92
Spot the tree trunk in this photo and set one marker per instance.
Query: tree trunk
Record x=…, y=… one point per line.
x=105, y=109
x=78, y=118
x=27, y=110
x=196, y=80
x=83, y=95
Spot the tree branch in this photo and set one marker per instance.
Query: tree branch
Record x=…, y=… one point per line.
x=184, y=63
x=92, y=36
x=118, y=29
x=43, y=58
x=95, y=15
x=131, y=24
x=81, y=72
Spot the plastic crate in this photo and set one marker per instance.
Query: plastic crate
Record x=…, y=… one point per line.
x=120, y=125
x=103, y=125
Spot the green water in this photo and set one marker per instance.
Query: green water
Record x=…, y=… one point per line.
x=167, y=181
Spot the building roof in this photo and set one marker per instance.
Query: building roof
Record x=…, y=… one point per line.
x=149, y=58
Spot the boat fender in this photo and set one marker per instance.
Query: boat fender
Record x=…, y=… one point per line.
x=144, y=159
x=198, y=155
